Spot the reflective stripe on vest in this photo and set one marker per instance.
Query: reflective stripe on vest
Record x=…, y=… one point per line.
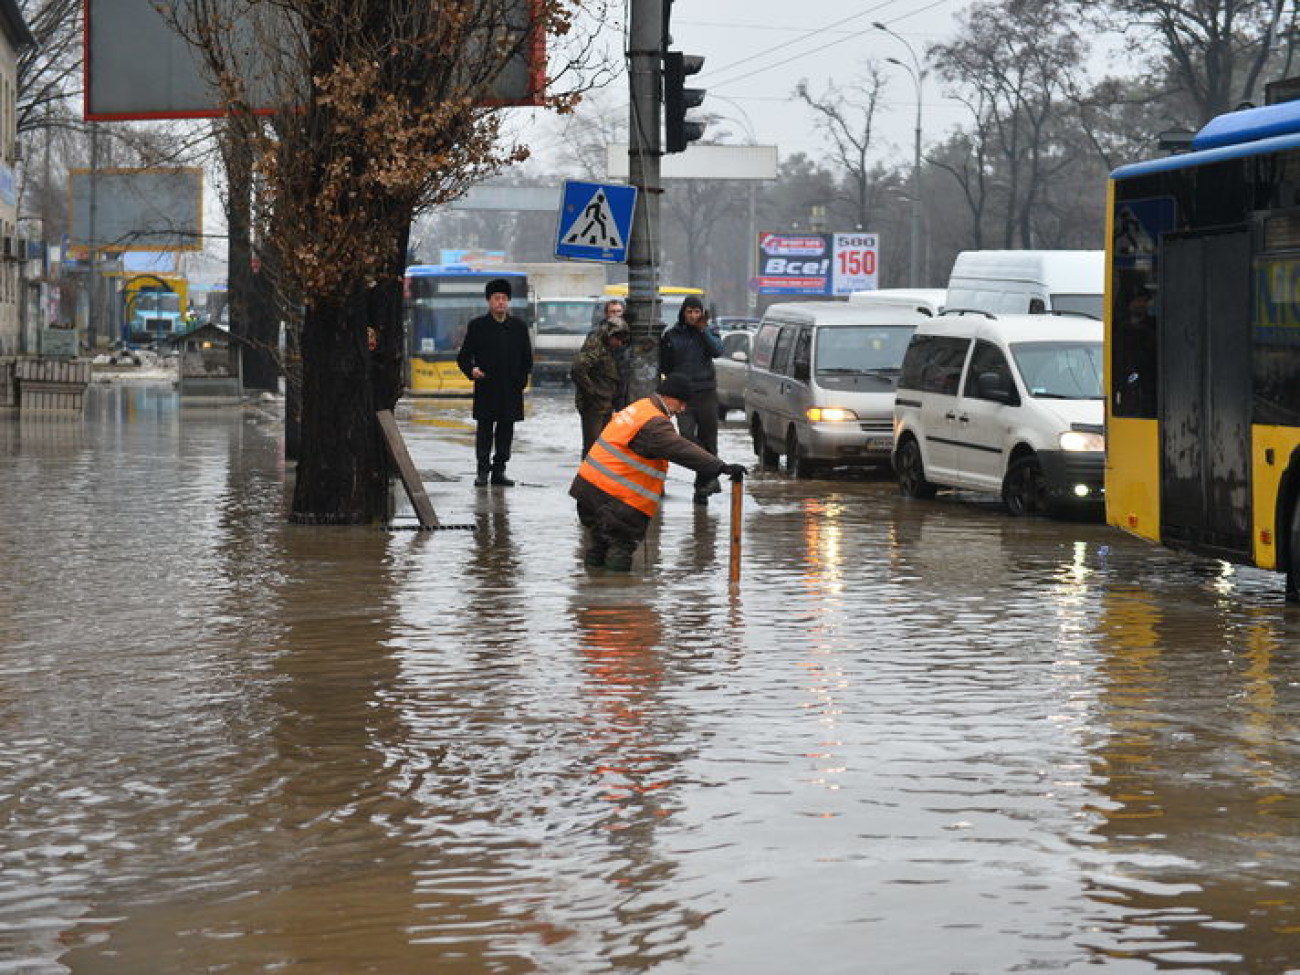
x=614, y=467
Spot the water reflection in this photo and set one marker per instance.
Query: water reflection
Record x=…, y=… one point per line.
x=921, y=734
x=1199, y=811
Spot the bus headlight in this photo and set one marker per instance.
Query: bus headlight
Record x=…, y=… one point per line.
x=831, y=414
x=1073, y=440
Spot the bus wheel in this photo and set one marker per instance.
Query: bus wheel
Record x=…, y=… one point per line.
x=1024, y=490
x=1293, y=555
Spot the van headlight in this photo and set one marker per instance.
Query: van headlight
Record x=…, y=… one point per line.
x=1073, y=440
x=831, y=414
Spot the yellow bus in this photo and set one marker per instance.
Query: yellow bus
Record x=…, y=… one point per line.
x=438, y=302
x=1203, y=344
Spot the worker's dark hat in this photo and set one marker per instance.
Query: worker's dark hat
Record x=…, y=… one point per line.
x=498, y=286
x=675, y=385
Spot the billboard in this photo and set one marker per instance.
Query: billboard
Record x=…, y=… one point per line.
x=138, y=67
x=137, y=209
x=817, y=264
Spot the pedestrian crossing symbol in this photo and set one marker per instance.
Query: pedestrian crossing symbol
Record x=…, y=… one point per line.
x=595, y=222
x=595, y=228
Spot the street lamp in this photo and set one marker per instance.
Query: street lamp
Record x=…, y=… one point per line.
x=918, y=75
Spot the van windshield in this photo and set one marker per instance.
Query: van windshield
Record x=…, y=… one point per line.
x=1060, y=370
x=1089, y=305
x=856, y=349
x=563, y=317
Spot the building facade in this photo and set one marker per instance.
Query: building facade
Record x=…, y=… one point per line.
x=15, y=37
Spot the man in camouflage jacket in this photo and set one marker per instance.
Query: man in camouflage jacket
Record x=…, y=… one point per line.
x=599, y=378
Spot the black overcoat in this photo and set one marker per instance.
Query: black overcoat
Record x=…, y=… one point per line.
x=505, y=354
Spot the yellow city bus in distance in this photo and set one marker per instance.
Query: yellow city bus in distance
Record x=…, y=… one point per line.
x=670, y=299
x=1203, y=344
x=438, y=302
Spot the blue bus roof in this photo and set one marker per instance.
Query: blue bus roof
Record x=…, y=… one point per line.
x=1234, y=135
x=430, y=270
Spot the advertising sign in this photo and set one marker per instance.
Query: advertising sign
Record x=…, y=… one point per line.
x=856, y=259
x=138, y=209
x=817, y=264
x=138, y=66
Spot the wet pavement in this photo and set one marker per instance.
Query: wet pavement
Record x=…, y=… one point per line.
x=918, y=737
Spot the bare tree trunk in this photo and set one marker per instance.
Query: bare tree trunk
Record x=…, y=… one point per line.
x=253, y=319
x=342, y=476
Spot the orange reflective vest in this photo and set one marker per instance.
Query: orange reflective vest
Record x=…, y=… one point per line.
x=620, y=472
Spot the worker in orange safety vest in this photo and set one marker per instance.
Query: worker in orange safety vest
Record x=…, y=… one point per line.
x=621, y=480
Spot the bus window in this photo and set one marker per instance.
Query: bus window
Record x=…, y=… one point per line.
x=439, y=301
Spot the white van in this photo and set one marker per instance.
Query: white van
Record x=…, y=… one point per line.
x=928, y=301
x=1009, y=405
x=1028, y=282
x=560, y=326
x=820, y=384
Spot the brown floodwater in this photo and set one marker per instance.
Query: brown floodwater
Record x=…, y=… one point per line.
x=918, y=737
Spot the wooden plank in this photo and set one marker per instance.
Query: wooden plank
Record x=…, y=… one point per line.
x=410, y=478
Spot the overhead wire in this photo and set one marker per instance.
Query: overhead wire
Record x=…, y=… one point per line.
x=715, y=83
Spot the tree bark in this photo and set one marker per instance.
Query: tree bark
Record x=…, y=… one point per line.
x=343, y=474
x=253, y=320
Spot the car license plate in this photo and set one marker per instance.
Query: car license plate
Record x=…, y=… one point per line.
x=885, y=444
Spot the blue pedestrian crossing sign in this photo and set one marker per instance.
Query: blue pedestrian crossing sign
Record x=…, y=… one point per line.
x=595, y=222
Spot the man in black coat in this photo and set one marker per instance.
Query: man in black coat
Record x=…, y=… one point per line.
x=497, y=357
x=689, y=348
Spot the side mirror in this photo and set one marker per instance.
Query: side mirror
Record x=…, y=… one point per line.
x=993, y=386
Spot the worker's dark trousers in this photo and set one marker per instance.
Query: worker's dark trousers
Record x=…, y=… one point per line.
x=603, y=547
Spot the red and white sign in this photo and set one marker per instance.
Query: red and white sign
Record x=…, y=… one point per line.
x=817, y=264
x=856, y=261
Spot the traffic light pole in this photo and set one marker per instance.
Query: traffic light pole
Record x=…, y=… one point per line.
x=644, y=57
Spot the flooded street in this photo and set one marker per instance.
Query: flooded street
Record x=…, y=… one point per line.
x=919, y=737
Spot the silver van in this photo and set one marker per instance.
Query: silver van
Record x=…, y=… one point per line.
x=820, y=386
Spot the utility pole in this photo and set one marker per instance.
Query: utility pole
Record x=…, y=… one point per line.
x=645, y=54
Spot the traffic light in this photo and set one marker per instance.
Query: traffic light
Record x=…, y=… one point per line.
x=678, y=129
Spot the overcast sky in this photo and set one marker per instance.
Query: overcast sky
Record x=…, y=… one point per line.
x=756, y=51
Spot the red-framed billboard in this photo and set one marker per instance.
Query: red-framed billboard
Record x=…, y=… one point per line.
x=138, y=67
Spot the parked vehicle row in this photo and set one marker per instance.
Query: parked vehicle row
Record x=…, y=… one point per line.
x=1005, y=404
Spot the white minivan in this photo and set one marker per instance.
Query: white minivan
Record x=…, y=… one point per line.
x=1009, y=405
x=1028, y=282
x=928, y=301
x=820, y=384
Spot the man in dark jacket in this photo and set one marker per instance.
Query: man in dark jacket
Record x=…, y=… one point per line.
x=498, y=357
x=688, y=349
x=599, y=381
x=621, y=480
